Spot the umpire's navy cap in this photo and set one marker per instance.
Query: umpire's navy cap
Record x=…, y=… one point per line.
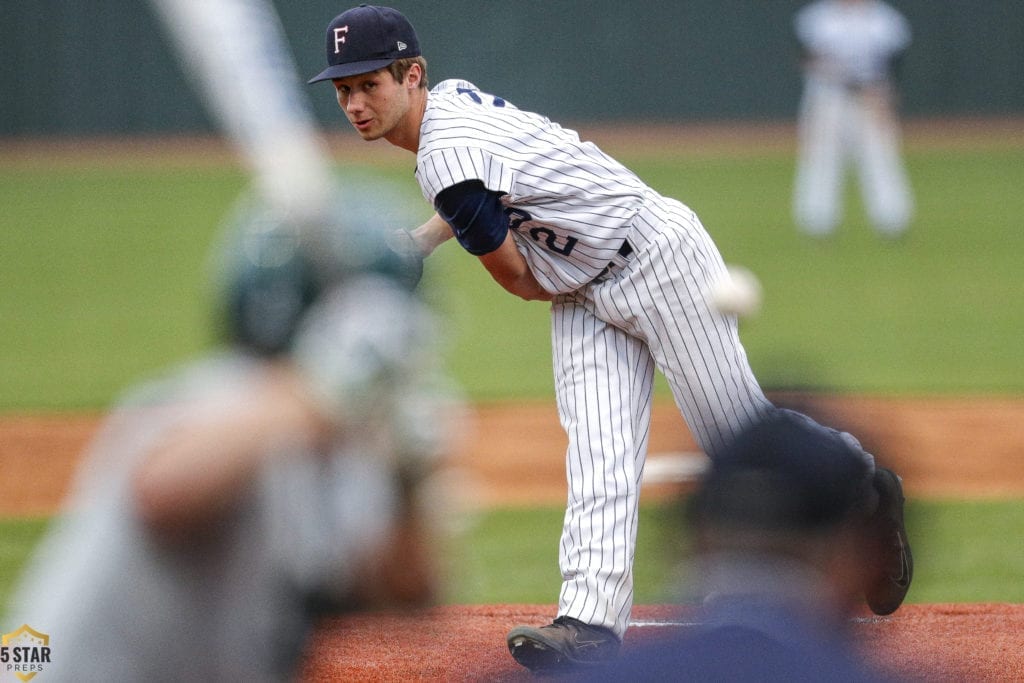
x=367, y=38
x=787, y=472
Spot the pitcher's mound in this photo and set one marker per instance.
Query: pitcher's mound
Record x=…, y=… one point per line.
x=976, y=642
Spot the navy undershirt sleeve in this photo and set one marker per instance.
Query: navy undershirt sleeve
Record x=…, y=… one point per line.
x=476, y=215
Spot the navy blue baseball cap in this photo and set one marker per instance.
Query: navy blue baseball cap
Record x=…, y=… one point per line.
x=367, y=38
x=787, y=472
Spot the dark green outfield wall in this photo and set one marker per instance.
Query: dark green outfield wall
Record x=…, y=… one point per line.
x=104, y=66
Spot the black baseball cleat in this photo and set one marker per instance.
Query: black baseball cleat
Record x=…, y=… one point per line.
x=894, y=568
x=565, y=644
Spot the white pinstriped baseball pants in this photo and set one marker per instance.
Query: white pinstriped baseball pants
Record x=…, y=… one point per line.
x=836, y=127
x=607, y=339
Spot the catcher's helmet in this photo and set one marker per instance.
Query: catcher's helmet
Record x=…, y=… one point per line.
x=271, y=269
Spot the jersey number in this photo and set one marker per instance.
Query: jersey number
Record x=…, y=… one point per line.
x=475, y=96
x=516, y=217
x=540, y=233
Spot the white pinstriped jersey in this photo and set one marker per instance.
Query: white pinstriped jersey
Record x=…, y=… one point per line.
x=617, y=317
x=853, y=41
x=570, y=205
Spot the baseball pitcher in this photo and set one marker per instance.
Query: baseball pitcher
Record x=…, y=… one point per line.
x=625, y=269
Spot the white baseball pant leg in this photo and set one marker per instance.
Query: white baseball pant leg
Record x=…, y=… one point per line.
x=883, y=178
x=818, y=189
x=604, y=381
x=606, y=339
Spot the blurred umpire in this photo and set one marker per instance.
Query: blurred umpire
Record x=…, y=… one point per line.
x=779, y=525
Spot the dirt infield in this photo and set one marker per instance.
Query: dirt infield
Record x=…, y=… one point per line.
x=467, y=643
x=944, y=447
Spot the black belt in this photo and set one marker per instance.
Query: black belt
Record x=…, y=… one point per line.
x=625, y=251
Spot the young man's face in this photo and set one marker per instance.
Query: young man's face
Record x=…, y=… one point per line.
x=375, y=103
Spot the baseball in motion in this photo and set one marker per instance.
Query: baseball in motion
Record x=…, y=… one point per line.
x=737, y=293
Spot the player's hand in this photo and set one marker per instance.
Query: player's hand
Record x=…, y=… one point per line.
x=402, y=243
x=431, y=235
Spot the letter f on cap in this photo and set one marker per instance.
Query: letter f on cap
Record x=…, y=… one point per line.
x=339, y=37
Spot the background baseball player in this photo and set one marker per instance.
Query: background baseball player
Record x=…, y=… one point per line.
x=553, y=218
x=848, y=114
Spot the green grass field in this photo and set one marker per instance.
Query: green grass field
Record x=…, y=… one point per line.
x=934, y=314
x=962, y=551
x=965, y=551
x=104, y=281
